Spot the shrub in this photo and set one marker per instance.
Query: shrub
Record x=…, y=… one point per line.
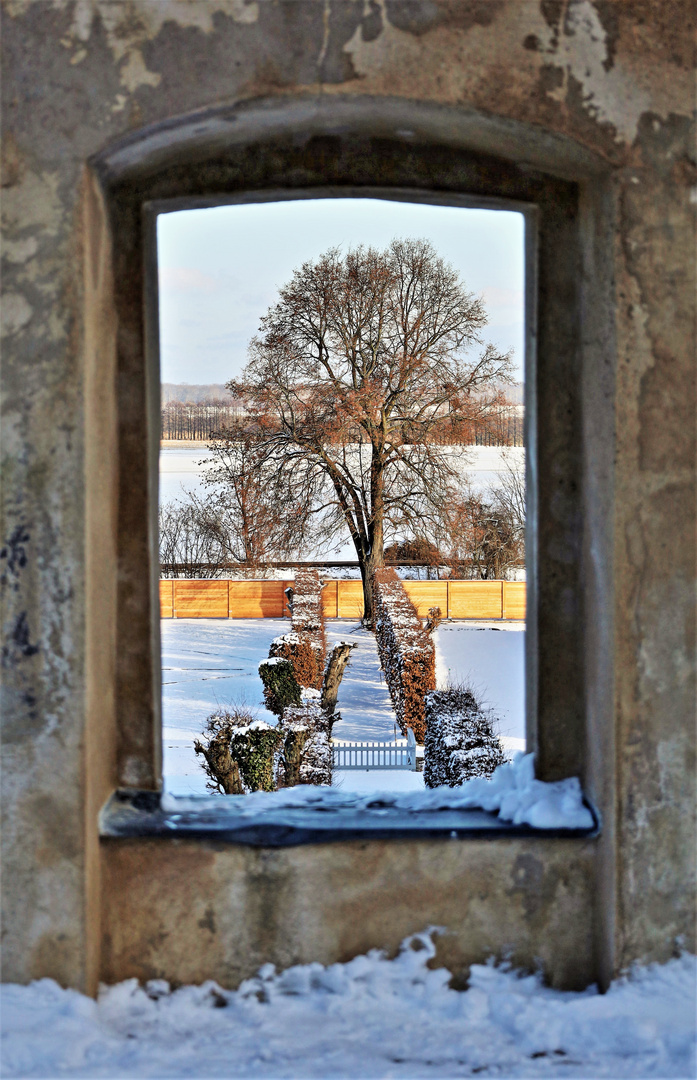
x=243, y=754
x=239, y=752
x=305, y=645
x=418, y=550
x=407, y=653
x=281, y=688
x=306, y=755
x=460, y=738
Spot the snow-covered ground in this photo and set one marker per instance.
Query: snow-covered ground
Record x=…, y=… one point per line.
x=180, y=467
x=366, y=712
x=491, y=658
x=370, y=1017
x=209, y=663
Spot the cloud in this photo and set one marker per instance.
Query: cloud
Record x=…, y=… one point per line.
x=186, y=279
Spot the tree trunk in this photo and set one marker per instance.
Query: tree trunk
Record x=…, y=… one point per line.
x=293, y=756
x=336, y=666
x=376, y=555
x=222, y=767
x=368, y=567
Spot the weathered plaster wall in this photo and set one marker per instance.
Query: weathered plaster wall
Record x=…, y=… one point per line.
x=209, y=910
x=616, y=80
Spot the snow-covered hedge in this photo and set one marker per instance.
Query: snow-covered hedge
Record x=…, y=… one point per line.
x=460, y=739
x=305, y=756
x=281, y=688
x=242, y=754
x=305, y=646
x=407, y=653
x=238, y=752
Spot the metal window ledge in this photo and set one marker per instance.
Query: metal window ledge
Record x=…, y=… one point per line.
x=131, y=813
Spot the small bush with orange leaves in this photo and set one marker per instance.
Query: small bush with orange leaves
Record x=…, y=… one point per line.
x=305, y=646
x=407, y=653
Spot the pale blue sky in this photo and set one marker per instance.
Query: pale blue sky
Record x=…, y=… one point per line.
x=220, y=269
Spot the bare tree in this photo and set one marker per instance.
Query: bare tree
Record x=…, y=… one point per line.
x=249, y=509
x=358, y=365
x=480, y=538
x=186, y=541
x=509, y=495
x=244, y=518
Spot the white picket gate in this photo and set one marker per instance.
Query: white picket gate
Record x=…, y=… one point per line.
x=398, y=754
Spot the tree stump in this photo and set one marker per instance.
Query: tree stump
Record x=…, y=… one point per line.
x=334, y=673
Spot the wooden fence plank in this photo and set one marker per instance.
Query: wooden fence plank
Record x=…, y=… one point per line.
x=343, y=599
x=514, y=599
x=427, y=594
x=350, y=599
x=166, y=598
x=330, y=599
x=200, y=599
x=476, y=599
x=256, y=599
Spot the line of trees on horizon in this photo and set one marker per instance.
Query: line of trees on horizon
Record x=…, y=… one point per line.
x=202, y=421
x=198, y=421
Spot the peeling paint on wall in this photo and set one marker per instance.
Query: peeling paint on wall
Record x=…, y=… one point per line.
x=613, y=81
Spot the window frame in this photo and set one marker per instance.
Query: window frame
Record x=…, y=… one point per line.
x=567, y=560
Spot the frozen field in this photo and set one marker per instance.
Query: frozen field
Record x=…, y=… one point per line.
x=370, y=1017
x=181, y=468
x=211, y=663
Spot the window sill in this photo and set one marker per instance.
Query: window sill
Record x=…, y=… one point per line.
x=132, y=813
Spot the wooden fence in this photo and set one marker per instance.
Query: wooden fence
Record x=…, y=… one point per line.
x=224, y=599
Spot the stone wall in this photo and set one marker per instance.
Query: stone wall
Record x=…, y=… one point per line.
x=598, y=94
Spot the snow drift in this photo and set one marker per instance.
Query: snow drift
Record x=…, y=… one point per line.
x=370, y=1017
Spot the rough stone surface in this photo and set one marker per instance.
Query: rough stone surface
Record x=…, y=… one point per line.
x=598, y=93
x=230, y=909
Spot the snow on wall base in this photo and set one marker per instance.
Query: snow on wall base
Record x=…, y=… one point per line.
x=370, y=1017
x=514, y=793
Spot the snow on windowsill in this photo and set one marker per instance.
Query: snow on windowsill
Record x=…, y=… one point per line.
x=512, y=792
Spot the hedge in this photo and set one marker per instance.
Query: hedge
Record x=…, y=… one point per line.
x=305, y=646
x=406, y=650
x=305, y=756
x=242, y=754
x=239, y=753
x=460, y=739
x=281, y=688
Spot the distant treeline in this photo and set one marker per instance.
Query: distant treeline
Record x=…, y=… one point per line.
x=504, y=428
x=186, y=420
x=199, y=422
x=197, y=412
x=194, y=393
